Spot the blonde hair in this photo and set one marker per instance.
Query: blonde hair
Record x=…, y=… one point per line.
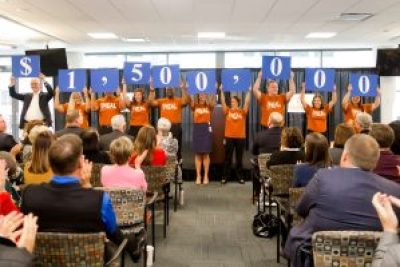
x=121, y=150
x=36, y=130
x=145, y=139
x=363, y=151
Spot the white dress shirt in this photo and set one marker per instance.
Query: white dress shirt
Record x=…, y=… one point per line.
x=34, y=112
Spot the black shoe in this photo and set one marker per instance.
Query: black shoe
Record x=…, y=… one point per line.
x=241, y=181
x=139, y=241
x=223, y=181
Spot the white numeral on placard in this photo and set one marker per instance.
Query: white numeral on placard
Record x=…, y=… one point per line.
x=136, y=70
x=364, y=84
x=319, y=78
x=165, y=75
x=71, y=84
x=276, y=66
x=201, y=81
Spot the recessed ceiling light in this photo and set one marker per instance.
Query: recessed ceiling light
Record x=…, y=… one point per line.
x=134, y=40
x=211, y=35
x=320, y=35
x=5, y=47
x=102, y=35
x=355, y=16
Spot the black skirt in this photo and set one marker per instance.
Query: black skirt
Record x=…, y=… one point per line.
x=202, y=138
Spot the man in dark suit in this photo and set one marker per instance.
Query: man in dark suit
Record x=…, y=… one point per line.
x=73, y=124
x=269, y=140
x=118, y=125
x=36, y=104
x=340, y=198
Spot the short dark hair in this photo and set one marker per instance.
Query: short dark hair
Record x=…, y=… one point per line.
x=395, y=125
x=237, y=99
x=342, y=133
x=90, y=139
x=291, y=137
x=383, y=134
x=64, y=154
x=317, y=150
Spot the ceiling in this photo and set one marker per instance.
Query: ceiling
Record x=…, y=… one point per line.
x=172, y=25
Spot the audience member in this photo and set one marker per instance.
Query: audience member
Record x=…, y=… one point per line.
x=269, y=140
x=121, y=174
x=91, y=147
x=145, y=149
x=33, y=133
x=67, y=203
x=388, y=162
x=165, y=140
x=73, y=123
x=342, y=133
x=118, y=125
x=395, y=125
x=14, y=176
x=6, y=203
x=362, y=123
x=291, y=148
x=7, y=141
x=317, y=157
x=339, y=199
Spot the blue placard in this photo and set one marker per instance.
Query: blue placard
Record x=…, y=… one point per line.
x=165, y=76
x=137, y=73
x=201, y=82
x=363, y=84
x=72, y=80
x=276, y=68
x=25, y=66
x=236, y=80
x=319, y=79
x=104, y=80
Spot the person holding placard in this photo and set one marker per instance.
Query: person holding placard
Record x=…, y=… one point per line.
x=36, y=104
x=107, y=106
x=202, y=107
x=317, y=114
x=272, y=101
x=171, y=109
x=235, y=133
x=352, y=105
x=139, y=107
x=76, y=102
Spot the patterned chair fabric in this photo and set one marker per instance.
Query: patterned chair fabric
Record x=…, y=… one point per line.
x=294, y=196
x=281, y=178
x=70, y=249
x=156, y=178
x=262, y=163
x=96, y=173
x=171, y=168
x=344, y=248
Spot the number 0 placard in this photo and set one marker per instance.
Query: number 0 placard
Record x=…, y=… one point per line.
x=275, y=67
x=201, y=82
x=165, y=76
x=363, y=85
x=71, y=80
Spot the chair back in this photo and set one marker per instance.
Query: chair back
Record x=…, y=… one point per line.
x=70, y=249
x=344, y=248
x=129, y=205
x=95, y=180
x=156, y=177
x=281, y=178
x=295, y=195
x=262, y=163
x=171, y=168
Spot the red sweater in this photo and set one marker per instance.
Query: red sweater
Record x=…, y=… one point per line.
x=159, y=158
x=6, y=204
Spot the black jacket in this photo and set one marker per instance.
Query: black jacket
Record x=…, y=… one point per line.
x=267, y=141
x=44, y=99
x=69, y=130
x=106, y=139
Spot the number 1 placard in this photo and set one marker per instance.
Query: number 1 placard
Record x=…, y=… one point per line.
x=72, y=80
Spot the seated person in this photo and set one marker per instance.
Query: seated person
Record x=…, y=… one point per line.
x=121, y=174
x=395, y=125
x=91, y=147
x=363, y=122
x=38, y=169
x=291, y=148
x=339, y=199
x=388, y=162
x=165, y=140
x=73, y=123
x=317, y=157
x=118, y=125
x=13, y=177
x=7, y=141
x=6, y=203
x=342, y=133
x=68, y=203
x=269, y=140
x=31, y=137
x=145, y=149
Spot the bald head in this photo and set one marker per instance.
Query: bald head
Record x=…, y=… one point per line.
x=275, y=119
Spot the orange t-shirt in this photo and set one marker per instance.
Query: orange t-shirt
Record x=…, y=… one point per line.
x=351, y=112
x=235, y=123
x=271, y=104
x=139, y=114
x=171, y=109
x=201, y=113
x=82, y=112
x=108, y=108
x=316, y=119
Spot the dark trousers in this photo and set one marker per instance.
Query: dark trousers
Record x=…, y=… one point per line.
x=234, y=145
x=133, y=130
x=176, y=130
x=105, y=130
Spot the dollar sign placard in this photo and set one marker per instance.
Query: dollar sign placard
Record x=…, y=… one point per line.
x=25, y=66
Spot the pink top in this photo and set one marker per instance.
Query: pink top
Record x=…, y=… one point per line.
x=123, y=176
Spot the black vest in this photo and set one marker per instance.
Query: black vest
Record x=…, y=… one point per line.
x=64, y=208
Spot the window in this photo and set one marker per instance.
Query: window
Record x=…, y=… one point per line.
x=349, y=59
x=303, y=59
x=104, y=61
x=193, y=60
x=245, y=59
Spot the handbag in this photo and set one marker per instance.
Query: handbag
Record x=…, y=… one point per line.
x=265, y=225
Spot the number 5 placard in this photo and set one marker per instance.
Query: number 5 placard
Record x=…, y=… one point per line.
x=137, y=73
x=363, y=85
x=201, y=82
x=72, y=80
x=165, y=76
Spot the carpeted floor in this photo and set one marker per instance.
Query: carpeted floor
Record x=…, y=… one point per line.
x=213, y=228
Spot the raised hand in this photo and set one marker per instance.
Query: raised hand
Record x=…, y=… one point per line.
x=12, y=81
x=3, y=174
x=349, y=88
x=383, y=206
x=28, y=234
x=9, y=224
x=86, y=173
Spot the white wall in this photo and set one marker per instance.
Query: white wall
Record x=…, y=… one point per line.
x=390, y=105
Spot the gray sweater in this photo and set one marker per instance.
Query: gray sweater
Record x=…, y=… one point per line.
x=387, y=254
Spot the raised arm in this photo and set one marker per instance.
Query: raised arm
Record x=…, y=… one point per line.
x=303, y=95
x=346, y=98
x=223, y=102
x=246, y=104
x=377, y=102
x=292, y=87
x=12, y=92
x=211, y=100
x=121, y=99
x=86, y=99
x=185, y=96
x=49, y=88
x=334, y=98
x=57, y=105
x=93, y=103
x=256, y=87
x=191, y=102
x=152, y=96
x=125, y=94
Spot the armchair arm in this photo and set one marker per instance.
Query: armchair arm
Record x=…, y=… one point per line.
x=117, y=253
x=153, y=198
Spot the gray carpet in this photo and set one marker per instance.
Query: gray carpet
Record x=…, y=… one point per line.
x=213, y=229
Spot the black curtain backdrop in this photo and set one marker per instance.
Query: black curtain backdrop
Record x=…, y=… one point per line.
x=342, y=77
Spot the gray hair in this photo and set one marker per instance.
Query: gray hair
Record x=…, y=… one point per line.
x=164, y=125
x=364, y=120
x=276, y=118
x=117, y=122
